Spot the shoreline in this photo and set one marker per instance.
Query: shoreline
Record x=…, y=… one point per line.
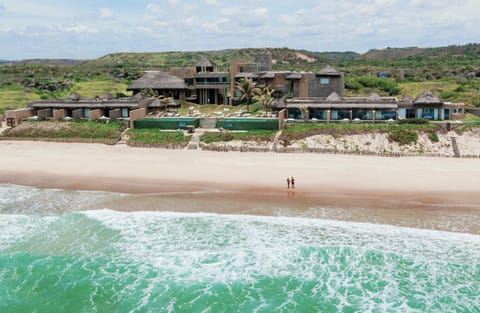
x=388, y=190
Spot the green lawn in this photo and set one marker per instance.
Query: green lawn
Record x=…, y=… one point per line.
x=64, y=130
x=156, y=137
x=252, y=135
x=97, y=88
x=14, y=99
x=414, y=89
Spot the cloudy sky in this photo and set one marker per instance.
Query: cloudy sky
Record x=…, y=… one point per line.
x=92, y=28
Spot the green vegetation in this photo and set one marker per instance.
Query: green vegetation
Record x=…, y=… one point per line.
x=64, y=130
x=368, y=83
x=156, y=137
x=433, y=137
x=404, y=136
x=253, y=135
x=401, y=133
x=96, y=88
x=453, y=72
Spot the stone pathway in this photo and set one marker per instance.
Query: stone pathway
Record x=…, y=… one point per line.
x=3, y=126
x=194, y=143
x=123, y=138
x=275, y=141
x=456, y=151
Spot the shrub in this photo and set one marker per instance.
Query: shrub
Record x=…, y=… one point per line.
x=433, y=137
x=156, y=137
x=210, y=137
x=414, y=121
x=403, y=136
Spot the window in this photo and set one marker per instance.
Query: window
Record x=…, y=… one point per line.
x=124, y=112
x=428, y=113
x=324, y=81
x=457, y=111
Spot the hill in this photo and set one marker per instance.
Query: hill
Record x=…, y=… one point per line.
x=465, y=51
x=59, y=62
x=452, y=72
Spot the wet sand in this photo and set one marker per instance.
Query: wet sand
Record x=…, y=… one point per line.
x=433, y=193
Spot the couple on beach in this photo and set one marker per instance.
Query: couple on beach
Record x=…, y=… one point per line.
x=290, y=182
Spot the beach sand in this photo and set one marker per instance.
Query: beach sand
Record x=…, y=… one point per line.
x=434, y=193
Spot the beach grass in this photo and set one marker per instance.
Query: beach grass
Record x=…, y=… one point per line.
x=414, y=89
x=66, y=130
x=252, y=135
x=402, y=133
x=156, y=137
x=91, y=89
x=11, y=99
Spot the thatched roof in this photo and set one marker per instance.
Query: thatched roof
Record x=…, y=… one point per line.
x=157, y=80
x=212, y=74
x=137, y=97
x=85, y=103
x=329, y=71
x=334, y=97
x=345, y=105
x=334, y=101
x=159, y=103
x=268, y=75
x=74, y=97
x=106, y=97
x=205, y=62
x=407, y=100
x=246, y=75
x=374, y=97
x=293, y=76
x=183, y=72
x=428, y=97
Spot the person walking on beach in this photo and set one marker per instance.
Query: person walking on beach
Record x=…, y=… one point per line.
x=288, y=182
x=292, y=182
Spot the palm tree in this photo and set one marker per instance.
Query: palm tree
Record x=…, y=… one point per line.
x=248, y=89
x=165, y=101
x=264, y=96
x=305, y=113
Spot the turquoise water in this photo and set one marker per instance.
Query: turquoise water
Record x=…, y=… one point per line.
x=60, y=252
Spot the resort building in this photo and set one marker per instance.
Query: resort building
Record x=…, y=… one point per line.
x=314, y=96
x=372, y=109
x=205, y=83
x=105, y=107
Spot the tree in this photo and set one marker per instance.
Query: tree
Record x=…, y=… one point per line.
x=248, y=88
x=304, y=109
x=165, y=101
x=264, y=96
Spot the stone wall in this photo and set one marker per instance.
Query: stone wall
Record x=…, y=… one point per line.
x=336, y=84
x=77, y=114
x=44, y=114
x=115, y=114
x=137, y=114
x=304, y=85
x=59, y=115
x=473, y=111
x=96, y=114
x=282, y=117
x=18, y=115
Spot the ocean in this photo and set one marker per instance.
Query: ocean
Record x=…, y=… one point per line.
x=64, y=251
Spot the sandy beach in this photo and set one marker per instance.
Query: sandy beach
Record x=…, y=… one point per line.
x=437, y=193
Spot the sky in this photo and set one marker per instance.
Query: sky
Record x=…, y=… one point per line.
x=85, y=29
